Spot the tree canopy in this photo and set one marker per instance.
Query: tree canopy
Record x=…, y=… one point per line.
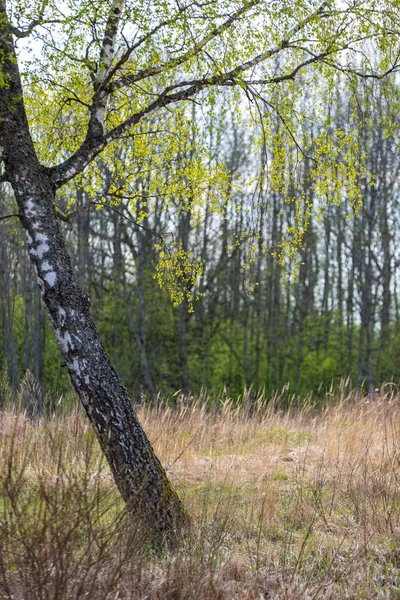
x=109, y=87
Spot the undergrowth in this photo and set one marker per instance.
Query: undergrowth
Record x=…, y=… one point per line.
x=301, y=503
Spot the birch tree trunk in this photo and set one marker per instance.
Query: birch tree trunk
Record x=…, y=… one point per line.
x=138, y=473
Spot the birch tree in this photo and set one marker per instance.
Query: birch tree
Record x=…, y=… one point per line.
x=78, y=76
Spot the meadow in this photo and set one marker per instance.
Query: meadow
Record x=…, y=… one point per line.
x=301, y=502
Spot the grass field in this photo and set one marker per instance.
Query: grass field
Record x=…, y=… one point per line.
x=294, y=504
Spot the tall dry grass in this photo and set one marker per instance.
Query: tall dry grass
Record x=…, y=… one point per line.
x=297, y=503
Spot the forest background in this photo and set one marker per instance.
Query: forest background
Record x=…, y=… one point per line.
x=278, y=281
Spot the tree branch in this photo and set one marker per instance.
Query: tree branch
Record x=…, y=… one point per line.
x=33, y=24
x=114, y=209
x=27, y=32
x=9, y=217
x=292, y=74
x=395, y=68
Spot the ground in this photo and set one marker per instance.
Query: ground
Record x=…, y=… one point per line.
x=297, y=503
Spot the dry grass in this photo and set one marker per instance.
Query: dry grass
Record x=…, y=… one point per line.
x=286, y=504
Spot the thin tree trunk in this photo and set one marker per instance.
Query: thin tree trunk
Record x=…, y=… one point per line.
x=38, y=346
x=83, y=226
x=144, y=246
x=183, y=310
x=8, y=329
x=28, y=316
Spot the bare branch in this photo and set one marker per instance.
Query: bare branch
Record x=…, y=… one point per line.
x=9, y=217
x=27, y=32
x=74, y=95
x=292, y=74
x=114, y=209
x=395, y=68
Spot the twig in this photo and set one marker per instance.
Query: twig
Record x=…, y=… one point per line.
x=8, y=217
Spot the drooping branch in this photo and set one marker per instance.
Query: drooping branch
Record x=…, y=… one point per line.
x=292, y=74
x=395, y=68
x=67, y=218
